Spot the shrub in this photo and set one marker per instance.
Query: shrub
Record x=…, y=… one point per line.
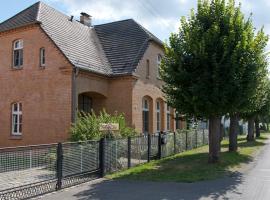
x=87, y=126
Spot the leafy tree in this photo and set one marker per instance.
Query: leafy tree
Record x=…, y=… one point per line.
x=87, y=126
x=201, y=67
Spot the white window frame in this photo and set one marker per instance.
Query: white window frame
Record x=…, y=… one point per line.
x=42, y=55
x=159, y=58
x=158, y=104
x=17, y=46
x=16, y=114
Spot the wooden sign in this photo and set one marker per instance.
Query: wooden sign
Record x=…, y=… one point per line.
x=109, y=127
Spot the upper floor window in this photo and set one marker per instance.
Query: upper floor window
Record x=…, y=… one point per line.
x=42, y=57
x=147, y=68
x=18, y=53
x=159, y=58
x=17, y=119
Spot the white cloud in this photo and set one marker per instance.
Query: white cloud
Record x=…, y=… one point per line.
x=159, y=16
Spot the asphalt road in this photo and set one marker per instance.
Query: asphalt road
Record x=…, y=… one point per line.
x=252, y=184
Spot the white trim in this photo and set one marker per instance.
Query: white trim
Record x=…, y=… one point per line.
x=16, y=114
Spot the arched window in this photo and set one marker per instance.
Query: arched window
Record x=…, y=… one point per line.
x=158, y=104
x=17, y=119
x=85, y=103
x=42, y=57
x=18, y=53
x=168, y=114
x=145, y=115
x=159, y=58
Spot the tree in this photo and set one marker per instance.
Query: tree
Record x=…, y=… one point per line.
x=248, y=93
x=200, y=65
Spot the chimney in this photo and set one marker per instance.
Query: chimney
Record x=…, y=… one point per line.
x=86, y=19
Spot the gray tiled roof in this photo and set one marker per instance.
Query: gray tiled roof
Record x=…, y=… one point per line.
x=124, y=43
x=78, y=42
x=109, y=49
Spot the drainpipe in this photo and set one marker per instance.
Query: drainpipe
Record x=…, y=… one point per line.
x=75, y=73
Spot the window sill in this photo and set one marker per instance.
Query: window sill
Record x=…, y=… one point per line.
x=16, y=68
x=15, y=137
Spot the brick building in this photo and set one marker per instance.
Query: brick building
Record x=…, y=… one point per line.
x=52, y=65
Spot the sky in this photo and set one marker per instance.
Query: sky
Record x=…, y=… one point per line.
x=161, y=17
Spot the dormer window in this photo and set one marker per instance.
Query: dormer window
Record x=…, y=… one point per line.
x=42, y=57
x=159, y=58
x=18, y=54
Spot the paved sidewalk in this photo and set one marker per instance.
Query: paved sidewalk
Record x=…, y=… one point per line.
x=251, y=185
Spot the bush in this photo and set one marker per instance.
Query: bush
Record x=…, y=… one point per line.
x=87, y=126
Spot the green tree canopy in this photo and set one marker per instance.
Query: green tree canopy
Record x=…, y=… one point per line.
x=214, y=64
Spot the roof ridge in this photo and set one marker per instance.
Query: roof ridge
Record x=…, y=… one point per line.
x=151, y=35
x=21, y=12
x=115, y=22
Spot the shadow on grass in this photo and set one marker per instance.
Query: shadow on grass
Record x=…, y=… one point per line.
x=158, y=179
x=242, y=142
x=173, y=178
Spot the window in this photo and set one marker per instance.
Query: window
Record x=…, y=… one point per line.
x=159, y=58
x=85, y=103
x=147, y=68
x=42, y=57
x=158, y=115
x=145, y=116
x=177, y=120
x=17, y=119
x=168, y=114
x=18, y=54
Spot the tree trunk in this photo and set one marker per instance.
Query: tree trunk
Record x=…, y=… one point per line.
x=214, y=139
x=250, y=136
x=257, y=128
x=233, y=133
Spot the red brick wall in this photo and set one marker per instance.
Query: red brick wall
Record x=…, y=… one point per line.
x=45, y=94
x=149, y=86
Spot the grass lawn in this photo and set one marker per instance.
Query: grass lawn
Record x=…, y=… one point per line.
x=192, y=165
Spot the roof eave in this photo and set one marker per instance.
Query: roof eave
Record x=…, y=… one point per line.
x=21, y=26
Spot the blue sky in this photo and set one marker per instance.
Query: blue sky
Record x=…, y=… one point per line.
x=159, y=16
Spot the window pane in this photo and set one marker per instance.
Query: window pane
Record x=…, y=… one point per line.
x=20, y=107
x=15, y=107
x=145, y=121
x=21, y=57
x=14, y=123
x=85, y=103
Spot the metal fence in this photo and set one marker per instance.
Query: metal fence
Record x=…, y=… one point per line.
x=30, y=171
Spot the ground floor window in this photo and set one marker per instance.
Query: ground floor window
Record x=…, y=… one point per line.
x=158, y=115
x=168, y=114
x=85, y=103
x=145, y=116
x=17, y=119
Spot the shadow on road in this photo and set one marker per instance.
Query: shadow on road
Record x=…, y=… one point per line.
x=131, y=190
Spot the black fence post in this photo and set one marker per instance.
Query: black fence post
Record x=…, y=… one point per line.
x=129, y=152
x=148, y=147
x=102, y=157
x=186, y=139
x=159, y=145
x=59, y=166
x=174, y=142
